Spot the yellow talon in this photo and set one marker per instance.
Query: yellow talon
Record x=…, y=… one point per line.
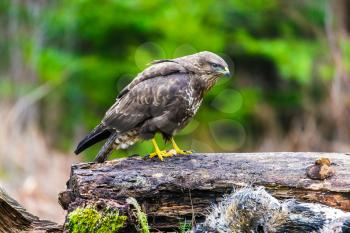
x=178, y=150
x=160, y=153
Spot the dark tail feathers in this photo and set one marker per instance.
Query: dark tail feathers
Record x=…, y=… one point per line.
x=99, y=133
x=107, y=148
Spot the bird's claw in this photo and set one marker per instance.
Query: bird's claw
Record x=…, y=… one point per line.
x=161, y=154
x=181, y=152
x=164, y=153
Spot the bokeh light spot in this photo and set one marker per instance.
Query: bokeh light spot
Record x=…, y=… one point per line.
x=229, y=135
x=192, y=126
x=201, y=147
x=148, y=52
x=228, y=101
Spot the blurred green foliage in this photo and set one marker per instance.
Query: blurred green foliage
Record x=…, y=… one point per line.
x=91, y=50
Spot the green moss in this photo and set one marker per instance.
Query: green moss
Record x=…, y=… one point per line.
x=86, y=220
x=141, y=216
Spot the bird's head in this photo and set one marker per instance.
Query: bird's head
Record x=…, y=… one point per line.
x=207, y=65
x=212, y=64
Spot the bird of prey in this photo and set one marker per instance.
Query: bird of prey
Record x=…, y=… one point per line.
x=161, y=99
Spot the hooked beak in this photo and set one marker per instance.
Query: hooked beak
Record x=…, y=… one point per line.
x=227, y=73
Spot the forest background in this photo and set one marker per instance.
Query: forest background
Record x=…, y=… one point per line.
x=63, y=62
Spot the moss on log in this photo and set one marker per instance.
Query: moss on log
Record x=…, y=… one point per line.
x=90, y=219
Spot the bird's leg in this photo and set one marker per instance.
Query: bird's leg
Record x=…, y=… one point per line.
x=178, y=150
x=158, y=152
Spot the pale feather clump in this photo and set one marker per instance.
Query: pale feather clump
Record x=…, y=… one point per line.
x=247, y=210
x=251, y=210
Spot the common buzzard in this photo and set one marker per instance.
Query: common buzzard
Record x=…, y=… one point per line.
x=161, y=99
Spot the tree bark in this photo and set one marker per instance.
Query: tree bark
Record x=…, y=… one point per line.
x=338, y=34
x=183, y=187
x=14, y=218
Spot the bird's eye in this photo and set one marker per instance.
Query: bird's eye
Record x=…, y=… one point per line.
x=214, y=65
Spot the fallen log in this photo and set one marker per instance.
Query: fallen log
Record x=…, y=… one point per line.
x=14, y=218
x=181, y=188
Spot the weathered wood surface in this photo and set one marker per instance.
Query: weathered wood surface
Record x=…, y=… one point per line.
x=185, y=186
x=14, y=218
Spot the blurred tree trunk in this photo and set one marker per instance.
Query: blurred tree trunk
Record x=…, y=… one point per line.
x=24, y=31
x=337, y=27
x=20, y=110
x=15, y=55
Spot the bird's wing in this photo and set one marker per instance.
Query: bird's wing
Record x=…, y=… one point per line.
x=156, y=69
x=144, y=101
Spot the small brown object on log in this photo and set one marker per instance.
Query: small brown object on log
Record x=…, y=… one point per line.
x=183, y=187
x=321, y=169
x=323, y=161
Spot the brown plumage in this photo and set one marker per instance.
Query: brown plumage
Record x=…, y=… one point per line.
x=161, y=99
